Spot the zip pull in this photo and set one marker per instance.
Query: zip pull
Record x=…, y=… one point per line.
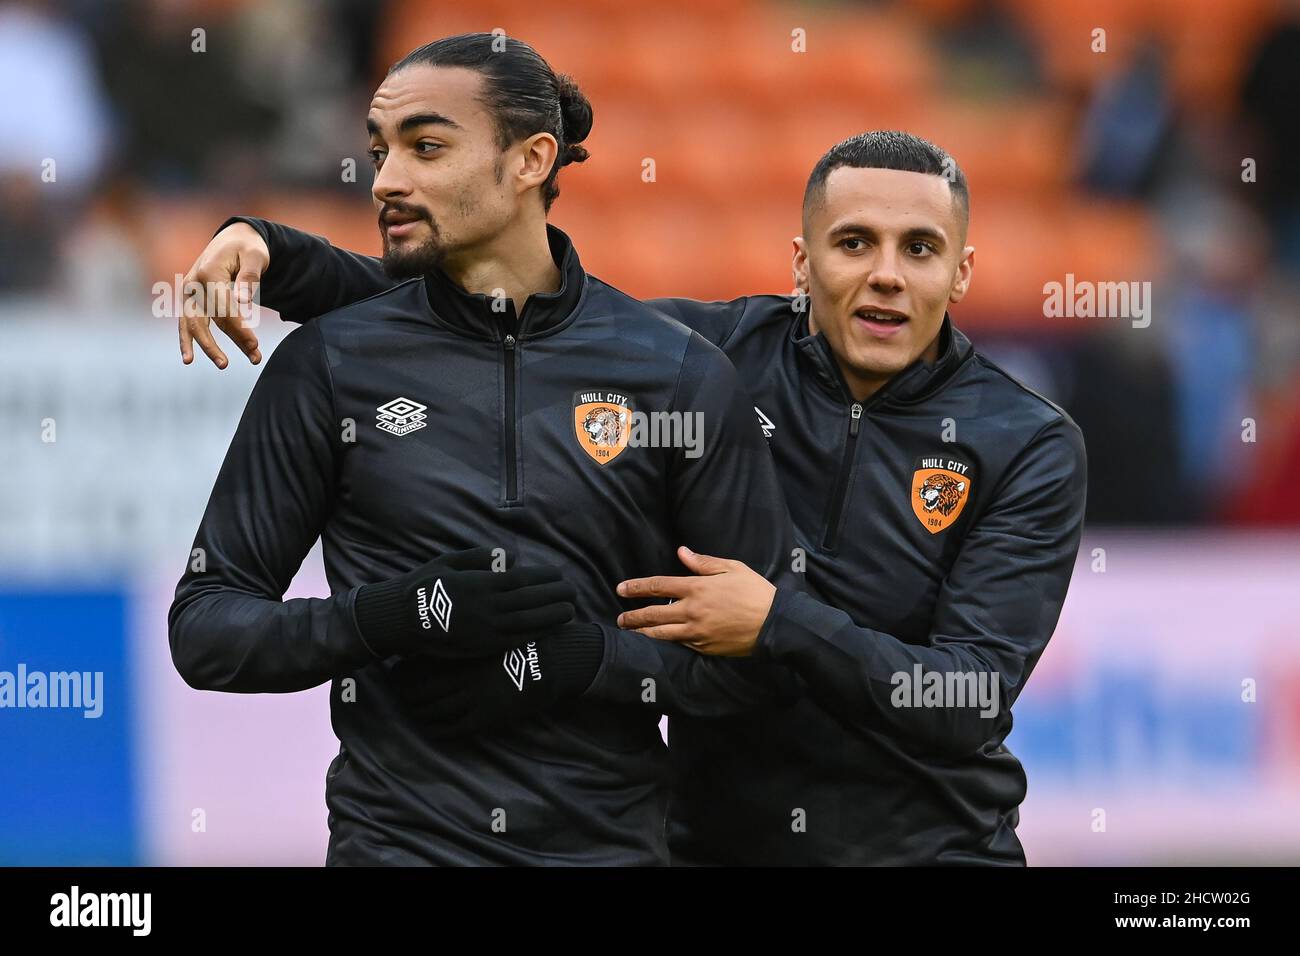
x=855, y=414
x=509, y=342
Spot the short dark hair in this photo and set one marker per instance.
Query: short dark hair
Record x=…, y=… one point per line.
x=889, y=149
x=523, y=93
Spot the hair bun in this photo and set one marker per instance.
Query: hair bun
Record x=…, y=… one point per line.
x=575, y=113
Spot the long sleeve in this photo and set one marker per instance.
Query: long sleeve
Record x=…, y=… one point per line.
x=676, y=681
x=228, y=627
x=715, y=321
x=727, y=502
x=996, y=611
x=307, y=276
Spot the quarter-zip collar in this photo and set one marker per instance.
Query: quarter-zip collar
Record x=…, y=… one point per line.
x=914, y=383
x=471, y=313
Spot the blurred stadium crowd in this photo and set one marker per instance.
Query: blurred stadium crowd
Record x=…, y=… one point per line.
x=1168, y=157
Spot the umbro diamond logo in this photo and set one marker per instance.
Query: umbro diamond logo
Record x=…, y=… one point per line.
x=401, y=416
x=517, y=662
x=437, y=608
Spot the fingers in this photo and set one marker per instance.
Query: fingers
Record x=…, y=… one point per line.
x=183, y=320
x=537, y=595
x=659, y=586
x=242, y=335
x=194, y=324
x=252, y=263
x=653, y=615
x=203, y=335
x=221, y=286
x=187, y=341
x=474, y=559
x=678, y=633
x=702, y=563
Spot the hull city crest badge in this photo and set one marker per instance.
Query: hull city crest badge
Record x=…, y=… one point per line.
x=602, y=422
x=941, y=486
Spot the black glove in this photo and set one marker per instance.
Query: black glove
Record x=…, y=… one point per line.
x=454, y=607
x=462, y=697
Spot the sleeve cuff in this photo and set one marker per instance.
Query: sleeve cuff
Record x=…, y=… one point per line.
x=380, y=616
x=258, y=224
x=575, y=656
x=768, y=645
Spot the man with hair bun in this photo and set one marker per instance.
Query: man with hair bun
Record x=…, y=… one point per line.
x=431, y=435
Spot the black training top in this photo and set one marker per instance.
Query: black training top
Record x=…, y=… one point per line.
x=412, y=424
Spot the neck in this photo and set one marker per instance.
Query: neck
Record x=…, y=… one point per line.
x=862, y=385
x=516, y=261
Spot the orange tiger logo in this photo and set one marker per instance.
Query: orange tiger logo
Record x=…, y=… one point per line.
x=941, y=493
x=605, y=426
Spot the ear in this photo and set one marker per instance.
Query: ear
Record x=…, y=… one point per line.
x=537, y=154
x=965, y=270
x=799, y=263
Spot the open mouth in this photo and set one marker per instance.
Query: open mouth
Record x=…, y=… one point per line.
x=880, y=322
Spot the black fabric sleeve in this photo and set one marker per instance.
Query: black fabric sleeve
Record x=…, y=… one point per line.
x=307, y=276
x=715, y=321
x=675, y=680
x=727, y=502
x=995, y=614
x=228, y=627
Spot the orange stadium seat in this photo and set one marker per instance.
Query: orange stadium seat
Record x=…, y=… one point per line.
x=1005, y=147
x=1021, y=246
x=1207, y=40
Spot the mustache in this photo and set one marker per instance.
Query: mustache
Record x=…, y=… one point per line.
x=404, y=210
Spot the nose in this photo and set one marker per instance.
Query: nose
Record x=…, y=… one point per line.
x=391, y=182
x=885, y=275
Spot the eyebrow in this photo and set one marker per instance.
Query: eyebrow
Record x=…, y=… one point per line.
x=916, y=232
x=415, y=121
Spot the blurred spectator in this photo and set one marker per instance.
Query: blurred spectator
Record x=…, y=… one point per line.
x=1271, y=100
x=1209, y=337
x=1123, y=399
x=305, y=72
x=187, y=117
x=987, y=51
x=1126, y=125
x=103, y=270
x=53, y=138
x=53, y=107
x=1269, y=498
